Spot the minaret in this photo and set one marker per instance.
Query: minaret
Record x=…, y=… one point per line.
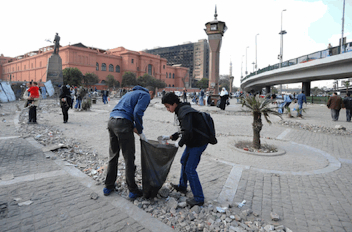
x=231, y=77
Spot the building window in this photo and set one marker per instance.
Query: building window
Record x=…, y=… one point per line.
x=166, y=75
x=117, y=68
x=40, y=64
x=149, y=69
x=173, y=76
x=169, y=85
x=103, y=82
x=97, y=66
x=25, y=67
x=132, y=61
x=170, y=75
x=32, y=65
x=103, y=67
x=164, y=66
x=173, y=85
x=111, y=68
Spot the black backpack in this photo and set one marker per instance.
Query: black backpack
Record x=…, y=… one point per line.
x=211, y=135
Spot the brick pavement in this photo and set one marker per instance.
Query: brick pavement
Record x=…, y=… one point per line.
x=309, y=186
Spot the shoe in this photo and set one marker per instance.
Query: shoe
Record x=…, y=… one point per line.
x=133, y=196
x=34, y=122
x=193, y=202
x=178, y=189
x=65, y=121
x=107, y=191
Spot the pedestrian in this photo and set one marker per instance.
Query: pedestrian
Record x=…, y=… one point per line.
x=65, y=101
x=163, y=93
x=224, y=95
x=193, y=128
x=301, y=98
x=72, y=91
x=126, y=119
x=105, y=96
x=335, y=104
x=287, y=101
x=347, y=101
x=79, y=92
x=201, y=97
x=184, y=95
x=32, y=102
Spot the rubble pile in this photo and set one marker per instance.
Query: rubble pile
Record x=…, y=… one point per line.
x=338, y=130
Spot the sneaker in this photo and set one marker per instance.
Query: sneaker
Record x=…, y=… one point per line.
x=107, y=191
x=193, y=202
x=133, y=196
x=178, y=189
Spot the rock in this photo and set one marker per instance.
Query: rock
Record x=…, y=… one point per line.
x=182, y=204
x=195, y=209
x=172, y=203
x=164, y=192
x=94, y=196
x=237, y=218
x=274, y=216
x=269, y=228
x=340, y=127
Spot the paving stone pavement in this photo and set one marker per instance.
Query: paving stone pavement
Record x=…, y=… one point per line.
x=309, y=186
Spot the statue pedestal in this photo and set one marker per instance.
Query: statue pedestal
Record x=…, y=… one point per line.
x=54, y=70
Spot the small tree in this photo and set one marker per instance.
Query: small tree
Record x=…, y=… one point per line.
x=259, y=106
x=203, y=83
x=128, y=79
x=224, y=83
x=111, y=82
x=347, y=84
x=147, y=80
x=72, y=76
x=90, y=79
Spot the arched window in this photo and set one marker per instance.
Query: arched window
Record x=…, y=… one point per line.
x=117, y=68
x=166, y=75
x=173, y=76
x=170, y=75
x=103, y=82
x=97, y=66
x=173, y=85
x=103, y=67
x=169, y=85
x=150, y=69
x=111, y=68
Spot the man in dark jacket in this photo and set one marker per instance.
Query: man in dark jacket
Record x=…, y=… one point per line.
x=191, y=122
x=65, y=101
x=347, y=101
x=126, y=118
x=335, y=104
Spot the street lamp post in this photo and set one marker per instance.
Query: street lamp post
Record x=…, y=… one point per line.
x=282, y=32
x=246, y=59
x=253, y=66
x=343, y=23
x=256, y=62
x=242, y=67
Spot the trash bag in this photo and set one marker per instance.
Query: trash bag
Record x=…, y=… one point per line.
x=156, y=163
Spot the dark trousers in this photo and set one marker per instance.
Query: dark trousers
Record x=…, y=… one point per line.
x=121, y=137
x=335, y=114
x=190, y=160
x=348, y=115
x=65, y=113
x=32, y=114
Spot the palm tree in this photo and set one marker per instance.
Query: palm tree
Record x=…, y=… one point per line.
x=258, y=107
x=347, y=84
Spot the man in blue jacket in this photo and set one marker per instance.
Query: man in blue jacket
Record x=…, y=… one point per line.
x=300, y=99
x=126, y=118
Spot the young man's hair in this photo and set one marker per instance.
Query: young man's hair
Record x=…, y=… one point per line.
x=348, y=94
x=150, y=88
x=35, y=83
x=170, y=98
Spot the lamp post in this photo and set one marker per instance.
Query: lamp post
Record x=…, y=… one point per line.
x=256, y=62
x=242, y=67
x=282, y=32
x=246, y=59
x=253, y=65
x=343, y=24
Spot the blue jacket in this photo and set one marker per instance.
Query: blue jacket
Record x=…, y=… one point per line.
x=301, y=98
x=287, y=98
x=132, y=106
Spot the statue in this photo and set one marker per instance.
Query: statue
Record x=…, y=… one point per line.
x=57, y=44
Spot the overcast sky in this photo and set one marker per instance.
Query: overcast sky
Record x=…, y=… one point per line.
x=140, y=24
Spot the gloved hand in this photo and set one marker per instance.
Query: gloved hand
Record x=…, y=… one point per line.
x=165, y=137
x=142, y=137
x=176, y=144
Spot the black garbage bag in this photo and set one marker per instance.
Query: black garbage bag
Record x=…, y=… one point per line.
x=156, y=163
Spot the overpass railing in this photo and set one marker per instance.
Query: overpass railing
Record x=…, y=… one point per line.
x=303, y=59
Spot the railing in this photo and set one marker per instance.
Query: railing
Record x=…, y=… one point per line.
x=303, y=59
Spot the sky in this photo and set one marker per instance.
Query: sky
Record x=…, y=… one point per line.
x=138, y=25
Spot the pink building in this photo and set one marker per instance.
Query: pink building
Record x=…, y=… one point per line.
x=32, y=65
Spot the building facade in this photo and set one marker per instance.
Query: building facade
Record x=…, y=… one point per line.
x=194, y=56
x=115, y=62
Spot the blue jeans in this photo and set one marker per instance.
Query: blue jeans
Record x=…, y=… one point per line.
x=190, y=160
x=78, y=103
x=105, y=99
x=201, y=101
x=335, y=114
x=348, y=115
x=300, y=106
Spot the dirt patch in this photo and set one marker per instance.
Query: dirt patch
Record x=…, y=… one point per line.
x=248, y=146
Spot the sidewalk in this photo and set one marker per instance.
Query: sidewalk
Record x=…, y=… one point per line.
x=309, y=186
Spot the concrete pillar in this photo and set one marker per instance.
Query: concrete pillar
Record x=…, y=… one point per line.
x=267, y=89
x=306, y=88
